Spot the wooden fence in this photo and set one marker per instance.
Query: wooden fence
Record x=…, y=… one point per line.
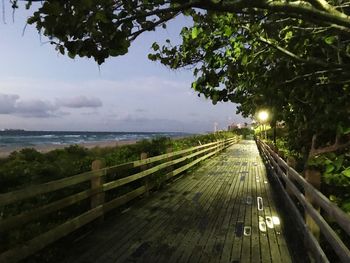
x=96, y=186
x=298, y=188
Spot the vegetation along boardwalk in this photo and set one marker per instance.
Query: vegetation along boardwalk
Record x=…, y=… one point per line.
x=222, y=212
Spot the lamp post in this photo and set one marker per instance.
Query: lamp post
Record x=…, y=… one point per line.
x=263, y=115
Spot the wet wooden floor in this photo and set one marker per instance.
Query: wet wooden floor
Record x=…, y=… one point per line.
x=222, y=212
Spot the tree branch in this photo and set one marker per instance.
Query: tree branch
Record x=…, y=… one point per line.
x=331, y=148
x=134, y=35
x=330, y=9
x=157, y=12
x=288, y=81
x=294, y=56
x=291, y=9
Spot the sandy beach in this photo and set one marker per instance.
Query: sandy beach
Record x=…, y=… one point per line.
x=4, y=152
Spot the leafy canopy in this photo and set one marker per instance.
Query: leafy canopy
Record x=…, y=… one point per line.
x=103, y=28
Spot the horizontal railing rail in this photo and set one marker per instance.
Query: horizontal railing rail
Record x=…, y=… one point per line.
x=287, y=175
x=170, y=165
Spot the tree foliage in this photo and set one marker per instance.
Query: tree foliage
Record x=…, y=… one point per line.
x=298, y=71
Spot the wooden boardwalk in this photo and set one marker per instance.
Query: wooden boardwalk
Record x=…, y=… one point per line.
x=222, y=212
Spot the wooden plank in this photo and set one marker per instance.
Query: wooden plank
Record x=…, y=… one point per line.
x=98, y=198
x=155, y=240
x=223, y=230
x=126, y=180
x=153, y=159
x=284, y=254
x=39, y=242
x=330, y=208
x=189, y=165
x=265, y=252
x=34, y=190
x=139, y=237
x=333, y=239
x=230, y=222
x=153, y=228
x=23, y=218
x=236, y=252
x=208, y=248
x=121, y=200
x=173, y=154
x=339, y=247
x=7, y=224
x=172, y=233
x=247, y=248
x=134, y=177
x=158, y=158
x=115, y=239
x=314, y=247
x=276, y=256
x=255, y=232
x=203, y=201
x=30, y=247
x=128, y=233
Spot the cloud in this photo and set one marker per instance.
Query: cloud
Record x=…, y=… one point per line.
x=140, y=110
x=7, y=103
x=79, y=102
x=90, y=113
x=12, y=104
x=36, y=108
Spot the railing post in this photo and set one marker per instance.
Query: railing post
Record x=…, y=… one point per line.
x=313, y=177
x=170, y=150
x=98, y=197
x=143, y=168
x=291, y=162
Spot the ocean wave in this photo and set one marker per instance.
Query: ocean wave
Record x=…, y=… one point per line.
x=26, y=139
x=56, y=143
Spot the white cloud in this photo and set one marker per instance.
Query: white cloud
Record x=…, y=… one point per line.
x=7, y=103
x=139, y=104
x=12, y=104
x=36, y=108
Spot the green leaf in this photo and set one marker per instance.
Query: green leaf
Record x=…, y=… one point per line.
x=155, y=46
x=346, y=130
x=346, y=172
x=329, y=40
x=288, y=35
x=329, y=168
x=339, y=162
x=100, y=16
x=152, y=57
x=71, y=54
x=244, y=60
x=195, y=32
x=228, y=31
x=114, y=52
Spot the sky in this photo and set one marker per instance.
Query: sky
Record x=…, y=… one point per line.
x=43, y=90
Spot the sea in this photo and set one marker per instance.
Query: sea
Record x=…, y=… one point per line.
x=23, y=138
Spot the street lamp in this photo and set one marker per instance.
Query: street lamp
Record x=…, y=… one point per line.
x=263, y=115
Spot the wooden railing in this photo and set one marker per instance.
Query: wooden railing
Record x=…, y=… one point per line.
x=95, y=186
x=298, y=188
